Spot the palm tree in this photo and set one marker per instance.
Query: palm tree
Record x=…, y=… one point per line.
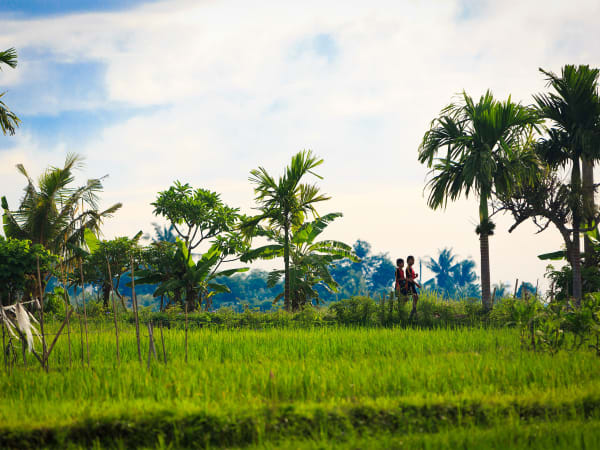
x=284, y=202
x=443, y=269
x=574, y=111
x=487, y=152
x=311, y=260
x=8, y=120
x=51, y=213
x=463, y=273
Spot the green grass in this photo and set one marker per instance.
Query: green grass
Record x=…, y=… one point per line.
x=273, y=386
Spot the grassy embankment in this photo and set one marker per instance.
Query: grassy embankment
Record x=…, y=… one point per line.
x=361, y=387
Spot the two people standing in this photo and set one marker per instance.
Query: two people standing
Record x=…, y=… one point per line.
x=406, y=282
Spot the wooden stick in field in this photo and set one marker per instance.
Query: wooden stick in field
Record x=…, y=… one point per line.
x=39, y=280
x=151, y=347
x=135, y=310
x=186, y=331
x=47, y=354
x=162, y=339
x=66, y=295
x=87, y=343
x=516, y=286
x=80, y=323
x=114, y=310
x=493, y=296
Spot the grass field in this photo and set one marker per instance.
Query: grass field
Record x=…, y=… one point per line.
x=306, y=388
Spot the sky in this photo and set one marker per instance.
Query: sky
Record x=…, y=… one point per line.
x=204, y=91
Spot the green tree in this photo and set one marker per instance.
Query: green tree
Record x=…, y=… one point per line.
x=179, y=273
x=310, y=260
x=8, y=120
x=487, y=152
x=18, y=267
x=198, y=216
x=284, y=203
x=115, y=253
x=573, y=109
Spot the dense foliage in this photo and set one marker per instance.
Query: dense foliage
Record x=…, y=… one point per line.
x=18, y=268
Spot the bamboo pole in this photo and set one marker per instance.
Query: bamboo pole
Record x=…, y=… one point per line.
x=516, y=286
x=66, y=296
x=47, y=354
x=494, y=295
x=39, y=279
x=162, y=339
x=186, y=331
x=80, y=324
x=4, y=357
x=151, y=347
x=112, y=295
x=135, y=310
x=87, y=343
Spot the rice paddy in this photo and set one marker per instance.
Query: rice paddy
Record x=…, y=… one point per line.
x=300, y=387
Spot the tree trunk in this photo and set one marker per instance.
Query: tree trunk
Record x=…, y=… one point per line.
x=589, y=206
x=576, y=247
x=286, y=262
x=105, y=294
x=484, y=247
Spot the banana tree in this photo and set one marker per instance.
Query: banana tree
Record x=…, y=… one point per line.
x=310, y=260
x=195, y=280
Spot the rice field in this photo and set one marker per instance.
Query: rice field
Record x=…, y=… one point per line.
x=303, y=388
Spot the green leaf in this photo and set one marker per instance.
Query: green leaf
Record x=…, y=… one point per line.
x=554, y=256
x=91, y=240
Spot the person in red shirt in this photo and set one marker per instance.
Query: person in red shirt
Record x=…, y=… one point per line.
x=412, y=284
x=400, y=285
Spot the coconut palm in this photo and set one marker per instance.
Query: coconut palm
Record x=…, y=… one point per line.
x=442, y=268
x=574, y=111
x=284, y=203
x=51, y=212
x=487, y=152
x=8, y=120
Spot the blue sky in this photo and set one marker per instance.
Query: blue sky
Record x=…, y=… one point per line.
x=40, y=8
x=205, y=91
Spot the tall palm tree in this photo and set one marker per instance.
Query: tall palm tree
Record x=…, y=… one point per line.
x=8, y=119
x=285, y=202
x=574, y=112
x=51, y=212
x=487, y=152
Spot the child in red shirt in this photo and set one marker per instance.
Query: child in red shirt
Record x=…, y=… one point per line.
x=412, y=284
x=400, y=285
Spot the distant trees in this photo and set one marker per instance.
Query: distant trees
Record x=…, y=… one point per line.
x=452, y=278
x=487, y=151
x=8, y=120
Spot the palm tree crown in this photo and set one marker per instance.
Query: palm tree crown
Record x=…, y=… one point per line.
x=51, y=212
x=488, y=151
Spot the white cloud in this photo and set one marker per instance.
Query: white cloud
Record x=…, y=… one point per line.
x=234, y=92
